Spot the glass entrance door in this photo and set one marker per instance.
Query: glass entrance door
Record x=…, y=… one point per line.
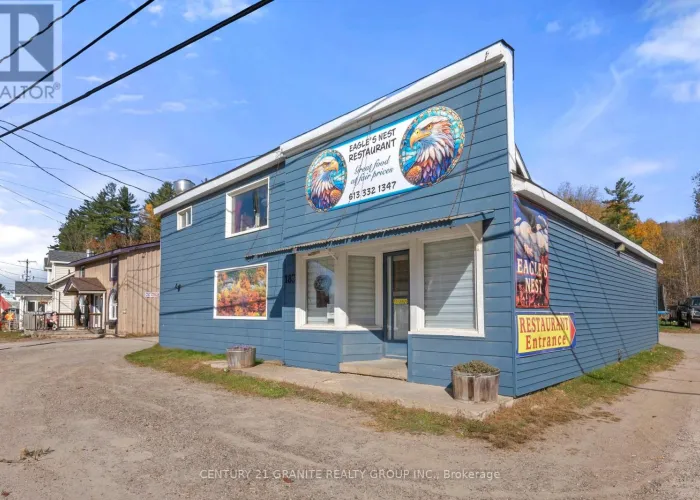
x=397, y=309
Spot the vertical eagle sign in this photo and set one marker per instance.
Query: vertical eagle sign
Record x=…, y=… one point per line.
x=531, y=229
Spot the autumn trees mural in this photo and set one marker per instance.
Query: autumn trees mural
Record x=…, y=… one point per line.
x=241, y=292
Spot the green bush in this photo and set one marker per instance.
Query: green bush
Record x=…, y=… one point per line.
x=477, y=367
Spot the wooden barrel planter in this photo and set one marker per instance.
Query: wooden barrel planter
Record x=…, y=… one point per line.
x=475, y=381
x=240, y=357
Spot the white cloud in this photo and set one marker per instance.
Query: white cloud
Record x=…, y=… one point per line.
x=174, y=106
x=191, y=55
x=157, y=9
x=217, y=39
x=113, y=56
x=630, y=167
x=127, y=98
x=91, y=79
x=2, y=211
x=553, y=27
x=136, y=111
x=676, y=42
x=196, y=10
x=687, y=91
x=586, y=28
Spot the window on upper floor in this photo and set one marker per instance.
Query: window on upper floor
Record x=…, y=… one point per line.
x=82, y=271
x=184, y=218
x=247, y=208
x=114, y=269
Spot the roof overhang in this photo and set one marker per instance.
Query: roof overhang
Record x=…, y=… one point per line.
x=114, y=253
x=552, y=202
x=450, y=221
x=484, y=60
x=83, y=285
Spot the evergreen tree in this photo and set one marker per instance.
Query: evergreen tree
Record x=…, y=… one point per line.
x=149, y=222
x=127, y=212
x=618, y=213
x=696, y=195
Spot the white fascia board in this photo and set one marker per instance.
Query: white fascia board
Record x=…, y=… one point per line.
x=231, y=177
x=560, y=207
x=485, y=60
x=57, y=281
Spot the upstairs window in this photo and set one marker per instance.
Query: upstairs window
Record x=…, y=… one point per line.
x=247, y=208
x=114, y=269
x=184, y=218
x=82, y=271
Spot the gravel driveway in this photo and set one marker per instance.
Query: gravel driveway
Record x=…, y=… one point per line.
x=119, y=431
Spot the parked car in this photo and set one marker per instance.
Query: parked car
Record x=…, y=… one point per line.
x=689, y=311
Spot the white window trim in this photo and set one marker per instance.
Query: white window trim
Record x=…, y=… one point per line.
x=112, y=277
x=267, y=284
x=229, y=207
x=109, y=306
x=180, y=227
x=415, y=245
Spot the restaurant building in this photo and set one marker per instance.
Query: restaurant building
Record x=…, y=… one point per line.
x=408, y=228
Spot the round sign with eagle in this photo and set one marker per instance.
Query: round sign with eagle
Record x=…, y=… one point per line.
x=431, y=146
x=325, y=180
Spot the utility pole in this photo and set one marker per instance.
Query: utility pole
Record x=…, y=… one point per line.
x=26, y=263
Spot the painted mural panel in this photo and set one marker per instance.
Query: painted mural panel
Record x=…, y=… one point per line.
x=414, y=152
x=531, y=228
x=241, y=292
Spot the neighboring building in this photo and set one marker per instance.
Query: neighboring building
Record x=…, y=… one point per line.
x=57, y=265
x=119, y=288
x=33, y=297
x=408, y=228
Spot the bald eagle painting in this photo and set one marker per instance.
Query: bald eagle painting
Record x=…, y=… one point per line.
x=431, y=146
x=325, y=180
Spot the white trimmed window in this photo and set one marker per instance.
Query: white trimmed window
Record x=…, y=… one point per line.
x=448, y=281
x=320, y=291
x=113, y=306
x=361, y=290
x=184, y=218
x=247, y=208
x=114, y=269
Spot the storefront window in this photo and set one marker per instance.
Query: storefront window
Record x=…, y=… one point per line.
x=361, y=290
x=320, y=291
x=247, y=208
x=449, y=284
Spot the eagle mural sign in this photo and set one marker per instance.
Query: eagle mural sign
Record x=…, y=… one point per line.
x=414, y=152
x=531, y=229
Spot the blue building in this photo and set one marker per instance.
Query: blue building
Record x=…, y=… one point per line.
x=407, y=228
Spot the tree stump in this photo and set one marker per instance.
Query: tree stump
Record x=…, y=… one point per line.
x=475, y=387
x=240, y=358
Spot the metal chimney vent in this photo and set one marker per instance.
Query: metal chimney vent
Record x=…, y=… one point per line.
x=183, y=185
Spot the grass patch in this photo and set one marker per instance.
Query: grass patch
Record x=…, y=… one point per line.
x=11, y=337
x=676, y=329
x=507, y=427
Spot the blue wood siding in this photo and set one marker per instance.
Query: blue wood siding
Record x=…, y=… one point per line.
x=614, y=300
x=190, y=256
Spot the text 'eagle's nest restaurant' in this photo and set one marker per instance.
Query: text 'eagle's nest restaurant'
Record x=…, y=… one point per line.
x=409, y=228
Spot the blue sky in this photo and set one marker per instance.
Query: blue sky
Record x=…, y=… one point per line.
x=602, y=90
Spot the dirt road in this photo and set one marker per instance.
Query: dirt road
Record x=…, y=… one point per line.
x=121, y=432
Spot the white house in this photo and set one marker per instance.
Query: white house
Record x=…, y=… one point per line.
x=57, y=265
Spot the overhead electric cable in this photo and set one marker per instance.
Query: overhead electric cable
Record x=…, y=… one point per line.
x=243, y=13
x=33, y=201
x=86, y=47
x=46, y=171
x=41, y=32
x=81, y=151
x=54, y=193
x=21, y=265
x=78, y=163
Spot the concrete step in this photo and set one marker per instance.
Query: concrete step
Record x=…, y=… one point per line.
x=385, y=368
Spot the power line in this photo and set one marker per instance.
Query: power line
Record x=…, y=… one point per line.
x=32, y=166
x=78, y=163
x=86, y=47
x=39, y=211
x=33, y=201
x=46, y=171
x=81, y=151
x=11, y=264
x=54, y=193
x=41, y=32
x=243, y=13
